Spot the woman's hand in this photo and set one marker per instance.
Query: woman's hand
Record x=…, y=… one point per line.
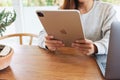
x=52, y=44
x=85, y=46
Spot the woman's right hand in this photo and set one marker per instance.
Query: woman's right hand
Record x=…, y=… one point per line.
x=52, y=44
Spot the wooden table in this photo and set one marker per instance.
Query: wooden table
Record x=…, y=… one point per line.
x=34, y=63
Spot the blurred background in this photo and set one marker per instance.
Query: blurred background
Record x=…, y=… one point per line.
x=27, y=20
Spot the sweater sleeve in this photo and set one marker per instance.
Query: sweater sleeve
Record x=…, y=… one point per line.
x=41, y=38
x=102, y=45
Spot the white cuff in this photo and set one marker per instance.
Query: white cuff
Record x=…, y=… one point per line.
x=101, y=48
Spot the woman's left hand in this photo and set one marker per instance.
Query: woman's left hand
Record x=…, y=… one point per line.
x=85, y=46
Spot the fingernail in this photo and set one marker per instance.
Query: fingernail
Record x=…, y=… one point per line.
x=51, y=36
x=60, y=42
x=77, y=41
x=72, y=44
x=63, y=45
x=54, y=49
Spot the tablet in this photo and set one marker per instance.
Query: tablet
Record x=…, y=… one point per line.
x=64, y=25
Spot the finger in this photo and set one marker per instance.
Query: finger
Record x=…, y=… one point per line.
x=55, y=45
x=85, y=51
x=53, y=41
x=52, y=48
x=82, y=46
x=82, y=51
x=86, y=41
x=49, y=37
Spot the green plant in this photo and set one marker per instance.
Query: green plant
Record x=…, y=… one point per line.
x=6, y=18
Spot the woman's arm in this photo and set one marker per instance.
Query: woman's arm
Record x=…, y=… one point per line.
x=41, y=38
x=102, y=45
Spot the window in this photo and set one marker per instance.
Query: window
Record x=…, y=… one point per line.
x=27, y=21
x=42, y=2
x=32, y=23
x=56, y=2
x=115, y=2
x=5, y=2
